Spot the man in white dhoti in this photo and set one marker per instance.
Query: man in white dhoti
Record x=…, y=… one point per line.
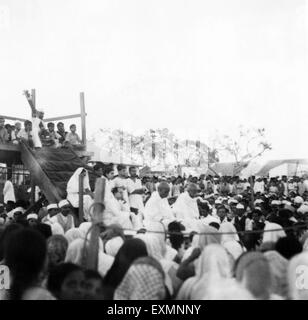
x=186, y=207
x=115, y=212
x=37, y=126
x=73, y=192
x=157, y=207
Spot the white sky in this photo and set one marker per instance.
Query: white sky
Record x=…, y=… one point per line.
x=193, y=66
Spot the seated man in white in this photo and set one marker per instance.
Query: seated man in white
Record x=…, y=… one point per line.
x=186, y=207
x=115, y=211
x=157, y=207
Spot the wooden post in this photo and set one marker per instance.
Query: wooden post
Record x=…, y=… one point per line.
x=33, y=97
x=83, y=119
x=80, y=205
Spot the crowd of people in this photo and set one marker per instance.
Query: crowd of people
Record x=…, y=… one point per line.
x=160, y=238
x=37, y=135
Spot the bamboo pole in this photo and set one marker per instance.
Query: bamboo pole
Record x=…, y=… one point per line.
x=83, y=119
x=80, y=205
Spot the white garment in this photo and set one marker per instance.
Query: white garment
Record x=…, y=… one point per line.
x=114, y=214
x=135, y=200
x=273, y=236
x=73, y=192
x=259, y=187
x=36, y=122
x=158, y=209
x=8, y=192
x=65, y=222
x=186, y=207
x=120, y=182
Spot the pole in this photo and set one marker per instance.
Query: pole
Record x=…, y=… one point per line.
x=83, y=119
x=33, y=97
x=80, y=205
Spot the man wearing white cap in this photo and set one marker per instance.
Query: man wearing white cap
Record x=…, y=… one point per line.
x=52, y=210
x=64, y=217
x=298, y=201
x=32, y=219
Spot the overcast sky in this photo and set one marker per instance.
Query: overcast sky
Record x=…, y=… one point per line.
x=192, y=66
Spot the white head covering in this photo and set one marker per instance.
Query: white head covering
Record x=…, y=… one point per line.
x=240, y=206
x=32, y=216
x=52, y=206
x=73, y=234
x=63, y=203
x=273, y=236
x=113, y=245
x=258, y=201
x=73, y=183
x=56, y=228
x=84, y=228
x=228, y=227
x=234, y=248
x=2, y=220
x=74, y=254
x=303, y=208
x=298, y=200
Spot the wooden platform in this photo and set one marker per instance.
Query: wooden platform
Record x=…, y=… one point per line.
x=11, y=154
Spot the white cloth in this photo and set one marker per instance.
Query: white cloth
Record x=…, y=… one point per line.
x=65, y=222
x=259, y=187
x=121, y=182
x=74, y=254
x=135, y=200
x=273, y=236
x=36, y=122
x=158, y=209
x=114, y=214
x=73, y=192
x=8, y=192
x=186, y=207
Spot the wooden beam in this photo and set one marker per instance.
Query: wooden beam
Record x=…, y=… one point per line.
x=80, y=206
x=63, y=117
x=13, y=118
x=33, y=97
x=83, y=119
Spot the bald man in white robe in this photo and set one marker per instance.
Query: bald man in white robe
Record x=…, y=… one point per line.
x=186, y=207
x=157, y=207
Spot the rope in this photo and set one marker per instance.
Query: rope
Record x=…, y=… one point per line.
x=304, y=225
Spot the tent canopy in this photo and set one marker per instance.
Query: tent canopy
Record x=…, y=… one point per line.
x=276, y=163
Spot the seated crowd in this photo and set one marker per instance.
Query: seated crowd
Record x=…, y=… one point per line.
x=161, y=238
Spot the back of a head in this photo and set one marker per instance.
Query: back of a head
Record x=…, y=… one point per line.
x=129, y=251
x=288, y=247
x=298, y=276
x=8, y=230
x=58, y=274
x=44, y=229
x=25, y=255
x=253, y=270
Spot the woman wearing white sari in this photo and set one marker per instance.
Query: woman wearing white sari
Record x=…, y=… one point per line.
x=73, y=192
x=212, y=267
x=230, y=239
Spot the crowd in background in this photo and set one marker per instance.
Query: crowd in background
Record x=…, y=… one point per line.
x=37, y=135
x=161, y=238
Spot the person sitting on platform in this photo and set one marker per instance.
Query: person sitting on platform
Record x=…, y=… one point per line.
x=73, y=192
x=65, y=216
x=53, y=134
x=72, y=137
x=4, y=136
x=61, y=132
x=25, y=134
